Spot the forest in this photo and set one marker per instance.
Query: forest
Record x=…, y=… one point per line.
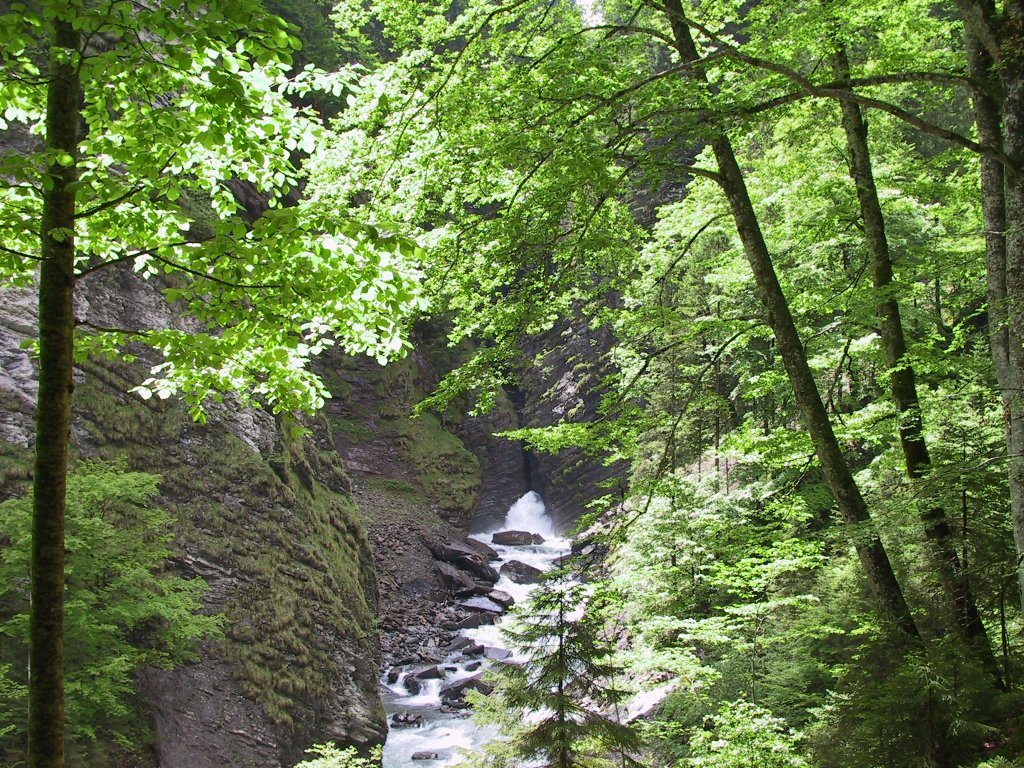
x=788, y=237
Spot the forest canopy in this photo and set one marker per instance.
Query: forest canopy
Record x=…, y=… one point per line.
x=800, y=224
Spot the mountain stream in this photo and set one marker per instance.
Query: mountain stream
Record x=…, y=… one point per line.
x=443, y=732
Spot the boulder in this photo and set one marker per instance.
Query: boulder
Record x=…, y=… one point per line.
x=457, y=690
x=412, y=684
x=520, y=572
x=406, y=720
x=462, y=556
x=483, y=549
x=516, y=538
x=476, y=620
x=430, y=673
x=454, y=578
x=459, y=643
x=504, y=599
x=483, y=605
x=424, y=755
x=497, y=654
x=478, y=588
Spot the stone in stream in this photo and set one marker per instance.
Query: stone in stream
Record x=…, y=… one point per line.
x=393, y=675
x=457, y=690
x=516, y=538
x=426, y=756
x=476, y=620
x=430, y=673
x=473, y=650
x=477, y=588
x=473, y=666
x=497, y=654
x=412, y=685
x=460, y=642
x=406, y=720
x=462, y=556
x=454, y=578
x=483, y=549
x=504, y=599
x=483, y=605
x=520, y=572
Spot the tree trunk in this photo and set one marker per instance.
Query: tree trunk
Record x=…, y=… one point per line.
x=995, y=57
x=852, y=508
x=903, y=386
x=53, y=408
x=1011, y=67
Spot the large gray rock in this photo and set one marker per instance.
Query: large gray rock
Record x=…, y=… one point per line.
x=457, y=690
x=483, y=605
x=516, y=538
x=520, y=573
x=462, y=556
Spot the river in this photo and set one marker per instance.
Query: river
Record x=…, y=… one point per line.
x=446, y=734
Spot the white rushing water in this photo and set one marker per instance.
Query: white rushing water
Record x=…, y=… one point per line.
x=448, y=734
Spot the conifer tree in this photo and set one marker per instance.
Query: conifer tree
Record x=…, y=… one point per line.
x=559, y=702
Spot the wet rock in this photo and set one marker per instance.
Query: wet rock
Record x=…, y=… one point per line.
x=457, y=690
x=412, y=684
x=483, y=605
x=393, y=675
x=473, y=666
x=520, y=572
x=463, y=556
x=478, y=588
x=516, y=538
x=430, y=673
x=497, y=654
x=504, y=599
x=483, y=549
x=454, y=578
x=476, y=620
x=459, y=643
x=426, y=756
x=406, y=720
x=473, y=650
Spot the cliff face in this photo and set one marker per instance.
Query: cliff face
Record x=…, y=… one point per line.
x=563, y=384
x=292, y=531
x=263, y=515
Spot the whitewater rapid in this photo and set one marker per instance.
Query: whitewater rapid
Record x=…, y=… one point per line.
x=449, y=734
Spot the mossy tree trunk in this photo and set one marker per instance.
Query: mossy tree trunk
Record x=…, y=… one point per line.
x=53, y=406
x=872, y=554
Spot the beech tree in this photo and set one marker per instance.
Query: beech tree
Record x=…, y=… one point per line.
x=136, y=117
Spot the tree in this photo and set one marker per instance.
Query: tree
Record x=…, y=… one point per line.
x=146, y=113
x=124, y=610
x=560, y=702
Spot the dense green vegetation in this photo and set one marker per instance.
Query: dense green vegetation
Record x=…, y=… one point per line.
x=123, y=609
x=802, y=223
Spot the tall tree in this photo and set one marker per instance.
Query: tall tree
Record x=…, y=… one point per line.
x=902, y=379
x=172, y=103
x=852, y=507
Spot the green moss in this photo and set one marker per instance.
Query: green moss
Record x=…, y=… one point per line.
x=447, y=471
x=351, y=431
x=302, y=616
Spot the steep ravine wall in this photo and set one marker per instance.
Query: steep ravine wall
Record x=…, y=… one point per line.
x=314, y=547
x=265, y=517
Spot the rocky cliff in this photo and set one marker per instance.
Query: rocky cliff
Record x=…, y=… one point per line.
x=263, y=514
x=310, y=535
